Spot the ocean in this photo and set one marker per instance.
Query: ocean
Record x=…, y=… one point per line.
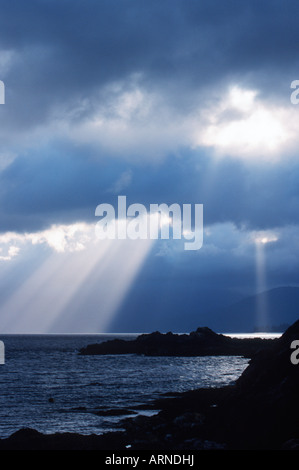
x=46, y=385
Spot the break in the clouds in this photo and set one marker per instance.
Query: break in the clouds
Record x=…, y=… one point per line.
x=143, y=79
x=140, y=81
x=174, y=101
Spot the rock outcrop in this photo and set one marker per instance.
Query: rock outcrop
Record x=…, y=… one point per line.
x=259, y=412
x=263, y=408
x=202, y=342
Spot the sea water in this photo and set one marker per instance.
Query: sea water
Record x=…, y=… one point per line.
x=46, y=385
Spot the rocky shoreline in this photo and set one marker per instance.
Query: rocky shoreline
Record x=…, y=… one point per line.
x=259, y=412
x=202, y=342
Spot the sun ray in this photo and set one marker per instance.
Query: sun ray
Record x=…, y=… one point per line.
x=261, y=308
x=104, y=269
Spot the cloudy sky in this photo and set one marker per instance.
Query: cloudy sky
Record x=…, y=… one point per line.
x=173, y=101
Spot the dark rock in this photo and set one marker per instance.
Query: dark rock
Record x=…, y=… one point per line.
x=202, y=342
x=266, y=396
x=292, y=444
x=114, y=412
x=259, y=412
x=29, y=439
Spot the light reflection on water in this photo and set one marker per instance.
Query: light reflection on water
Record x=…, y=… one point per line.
x=41, y=367
x=254, y=335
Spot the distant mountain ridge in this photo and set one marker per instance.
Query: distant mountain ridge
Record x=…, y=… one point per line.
x=280, y=309
x=221, y=310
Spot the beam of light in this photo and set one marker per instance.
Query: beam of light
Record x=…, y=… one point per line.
x=106, y=287
x=106, y=268
x=261, y=285
x=261, y=239
x=15, y=307
x=46, y=291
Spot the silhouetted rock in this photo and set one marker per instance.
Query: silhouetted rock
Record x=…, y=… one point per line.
x=266, y=395
x=259, y=412
x=202, y=342
x=29, y=439
x=114, y=412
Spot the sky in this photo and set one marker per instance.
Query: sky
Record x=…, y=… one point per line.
x=173, y=101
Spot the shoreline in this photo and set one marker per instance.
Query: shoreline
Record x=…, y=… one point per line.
x=202, y=342
x=258, y=412
x=174, y=427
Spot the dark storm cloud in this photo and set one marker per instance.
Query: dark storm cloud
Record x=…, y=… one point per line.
x=65, y=184
x=66, y=50
x=65, y=62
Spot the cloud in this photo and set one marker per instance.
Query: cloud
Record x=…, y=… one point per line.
x=122, y=183
x=64, y=185
x=59, y=238
x=165, y=102
x=153, y=66
x=160, y=79
x=12, y=251
x=243, y=126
